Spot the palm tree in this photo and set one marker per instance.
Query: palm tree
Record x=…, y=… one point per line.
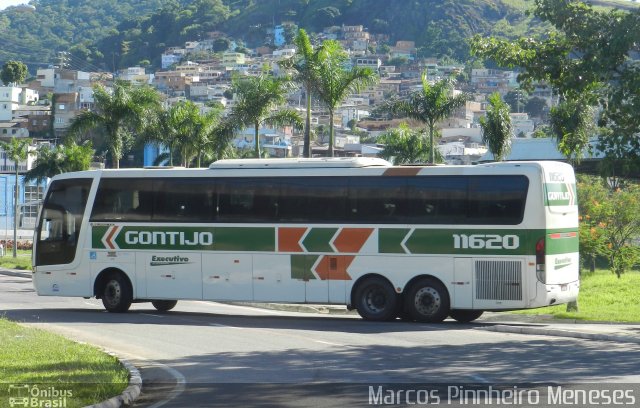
x=60, y=159
x=430, y=105
x=334, y=81
x=405, y=146
x=258, y=100
x=496, y=127
x=186, y=132
x=17, y=150
x=117, y=114
x=305, y=64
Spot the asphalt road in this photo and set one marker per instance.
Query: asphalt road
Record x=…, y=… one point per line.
x=210, y=354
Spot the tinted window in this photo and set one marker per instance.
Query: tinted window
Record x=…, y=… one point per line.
x=184, y=200
x=312, y=199
x=436, y=200
x=247, y=200
x=497, y=199
x=377, y=199
x=62, y=216
x=120, y=199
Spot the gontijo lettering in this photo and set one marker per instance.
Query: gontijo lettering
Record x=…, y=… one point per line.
x=168, y=237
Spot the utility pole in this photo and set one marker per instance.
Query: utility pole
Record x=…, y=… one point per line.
x=62, y=56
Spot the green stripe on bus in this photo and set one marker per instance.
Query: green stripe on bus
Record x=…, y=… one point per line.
x=473, y=241
x=301, y=266
x=563, y=241
x=188, y=238
x=390, y=240
x=318, y=239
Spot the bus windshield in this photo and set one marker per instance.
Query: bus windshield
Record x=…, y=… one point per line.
x=60, y=223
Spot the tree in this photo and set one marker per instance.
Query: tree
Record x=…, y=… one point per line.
x=17, y=150
x=13, y=72
x=496, y=127
x=404, y=145
x=334, y=81
x=572, y=123
x=431, y=104
x=60, y=159
x=258, y=100
x=587, y=57
x=613, y=219
x=305, y=64
x=117, y=115
x=535, y=107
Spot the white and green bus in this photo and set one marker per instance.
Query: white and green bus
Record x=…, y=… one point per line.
x=419, y=243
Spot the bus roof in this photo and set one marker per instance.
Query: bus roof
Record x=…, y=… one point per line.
x=321, y=162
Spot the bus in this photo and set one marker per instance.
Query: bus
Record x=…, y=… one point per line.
x=421, y=243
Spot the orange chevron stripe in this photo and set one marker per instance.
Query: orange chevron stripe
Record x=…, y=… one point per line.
x=352, y=239
x=289, y=239
x=109, y=238
x=332, y=267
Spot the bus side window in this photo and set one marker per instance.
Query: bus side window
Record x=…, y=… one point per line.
x=377, y=199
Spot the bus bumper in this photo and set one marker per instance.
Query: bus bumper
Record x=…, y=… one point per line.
x=564, y=293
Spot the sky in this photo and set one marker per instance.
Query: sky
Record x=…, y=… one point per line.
x=6, y=3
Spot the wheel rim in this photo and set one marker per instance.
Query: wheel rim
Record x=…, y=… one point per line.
x=113, y=293
x=375, y=299
x=427, y=301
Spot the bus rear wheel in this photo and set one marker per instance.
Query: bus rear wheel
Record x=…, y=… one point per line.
x=164, y=305
x=465, y=316
x=117, y=294
x=376, y=300
x=427, y=301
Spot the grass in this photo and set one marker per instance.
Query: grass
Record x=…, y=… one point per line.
x=62, y=368
x=603, y=297
x=22, y=261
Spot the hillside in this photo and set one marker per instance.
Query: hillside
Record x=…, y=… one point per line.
x=109, y=34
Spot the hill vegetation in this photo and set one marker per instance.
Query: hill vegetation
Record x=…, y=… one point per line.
x=109, y=34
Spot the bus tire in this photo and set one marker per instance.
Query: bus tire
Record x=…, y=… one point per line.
x=427, y=301
x=465, y=316
x=164, y=305
x=376, y=300
x=117, y=293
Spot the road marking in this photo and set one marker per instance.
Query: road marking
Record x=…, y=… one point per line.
x=329, y=343
x=181, y=383
x=149, y=314
x=225, y=326
x=252, y=309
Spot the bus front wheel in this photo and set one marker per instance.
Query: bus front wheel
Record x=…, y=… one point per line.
x=465, y=316
x=427, y=301
x=164, y=305
x=117, y=294
x=376, y=300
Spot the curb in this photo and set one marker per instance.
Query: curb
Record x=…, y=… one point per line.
x=130, y=394
x=16, y=272
x=293, y=307
x=540, y=331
